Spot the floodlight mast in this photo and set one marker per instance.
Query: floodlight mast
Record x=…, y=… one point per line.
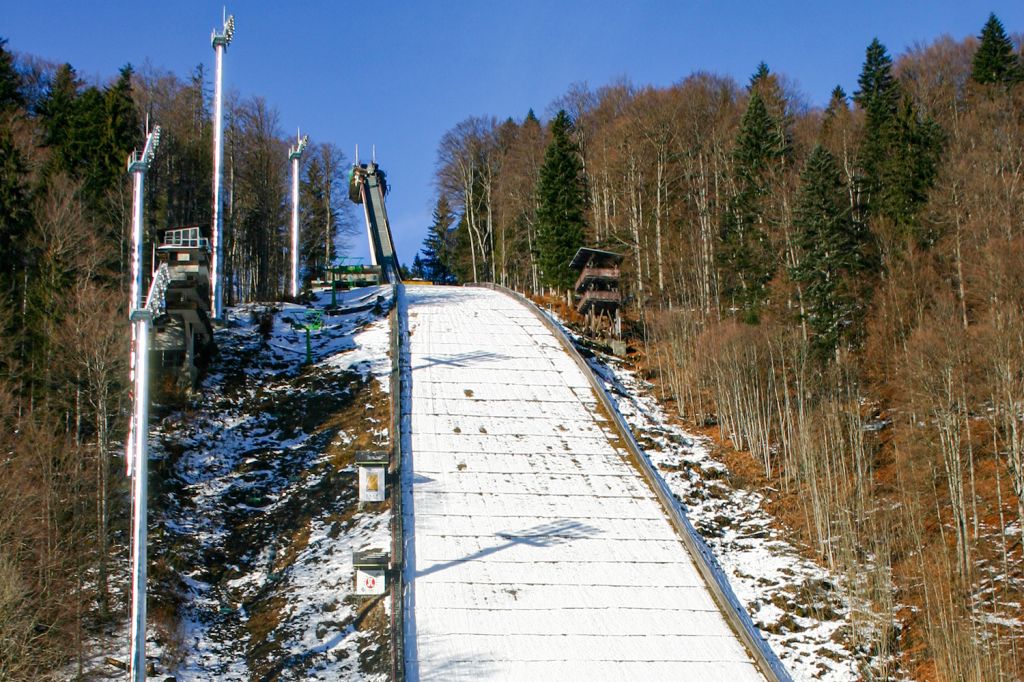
x=138, y=436
x=295, y=154
x=220, y=42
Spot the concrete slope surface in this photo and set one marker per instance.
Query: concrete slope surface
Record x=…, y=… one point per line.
x=534, y=548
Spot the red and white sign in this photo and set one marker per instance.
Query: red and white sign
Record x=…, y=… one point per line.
x=369, y=581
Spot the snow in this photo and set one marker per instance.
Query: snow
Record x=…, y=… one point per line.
x=534, y=548
x=763, y=569
x=246, y=461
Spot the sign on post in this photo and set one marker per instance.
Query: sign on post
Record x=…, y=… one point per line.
x=373, y=467
x=370, y=572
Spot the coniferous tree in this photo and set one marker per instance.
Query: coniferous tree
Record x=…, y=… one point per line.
x=417, y=271
x=909, y=169
x=437, y=247
x=766, y=85
x=900, y=150
x=15, y=216
x=561, y=199
x=57, y=112
x=878, y=96
x=837, y=104
x=10, y=82
x=834, y=253
x=123, y=128
x=745, y=254
x=995, y=60
x=760, y=75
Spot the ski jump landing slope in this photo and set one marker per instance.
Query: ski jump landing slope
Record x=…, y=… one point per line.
x=534, y=549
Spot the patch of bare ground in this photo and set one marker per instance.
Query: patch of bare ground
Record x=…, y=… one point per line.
x=244, y=474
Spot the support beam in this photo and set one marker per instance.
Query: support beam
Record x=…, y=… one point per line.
x=138, y=435
x=295, y=155
x=220, y=43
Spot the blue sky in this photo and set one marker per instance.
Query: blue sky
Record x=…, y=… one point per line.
x=398, y=74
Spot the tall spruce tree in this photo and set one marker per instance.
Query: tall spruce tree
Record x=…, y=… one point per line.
x=995, y=61
x=878, y=96
x=834, y=252
x=418, y=269
x=745, y=255
x=837, y=105
x=437, y=247
x=15, y=216
x=123, y=129
x=57, y=111
x=10, y=82
x=561, y=199
x=899, y=154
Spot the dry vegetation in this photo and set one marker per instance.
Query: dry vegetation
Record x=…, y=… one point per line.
x=893, y=430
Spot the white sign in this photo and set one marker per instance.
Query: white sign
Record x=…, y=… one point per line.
x=369, y=581
x=371, y=483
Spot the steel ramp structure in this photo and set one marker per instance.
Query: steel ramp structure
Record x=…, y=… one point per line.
x=534, y=548
x=368, y=186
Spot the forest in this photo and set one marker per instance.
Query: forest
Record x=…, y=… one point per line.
x=835, y=293
x=65, y=221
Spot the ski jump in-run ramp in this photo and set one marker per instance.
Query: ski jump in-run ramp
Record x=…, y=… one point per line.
x=535, y=546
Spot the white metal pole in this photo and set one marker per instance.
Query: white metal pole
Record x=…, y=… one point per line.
x=136, y=167
x=138, y=436
x=218, y=155
x=138, y=170
x=220, y=42
x=295, y=226
x=294, y=154
x=140, y=485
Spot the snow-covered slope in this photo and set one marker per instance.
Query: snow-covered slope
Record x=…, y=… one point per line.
x=801, y=609
x=254, y=508
x=535, y=549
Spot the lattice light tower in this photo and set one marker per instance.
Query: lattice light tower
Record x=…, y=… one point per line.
x=220, y=43
x=138, y=437
x=294, y=155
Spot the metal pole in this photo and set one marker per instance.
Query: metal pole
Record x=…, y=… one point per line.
x=295, y=226
x=138, y=436
x=294, y=154
x=137, y=167
x=140, y=485
x=220, y=42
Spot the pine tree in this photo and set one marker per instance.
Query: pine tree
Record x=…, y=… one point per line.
x=995, y=60
x=878, y=97
x=57, y=111
x=437, y=247
x=898, y=157
x=561, y=199
x=418, y=271
x=759, y=76
x=878, y=89
x=15, y=216
x=745, y=253
x=836, y=104
x=834, y=253
x=10, y=81
x=909, y=169
x=123, y=130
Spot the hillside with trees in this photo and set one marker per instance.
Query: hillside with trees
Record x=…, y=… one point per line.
x=65, y=217
x=836, y=292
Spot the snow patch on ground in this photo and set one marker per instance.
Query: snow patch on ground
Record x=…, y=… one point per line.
x=798, y=605
x=249, y=455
